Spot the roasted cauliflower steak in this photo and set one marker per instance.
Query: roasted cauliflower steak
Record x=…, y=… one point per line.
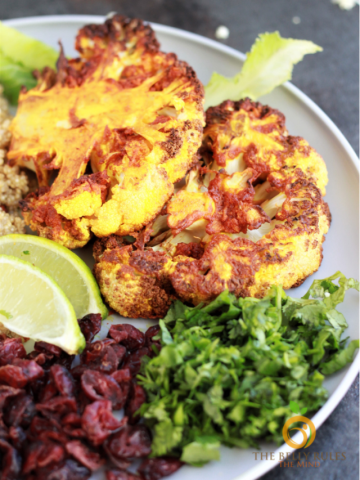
x=251, y=216
x=131, y=112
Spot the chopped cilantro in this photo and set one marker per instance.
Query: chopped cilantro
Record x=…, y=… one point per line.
x=234, y=371
x=26, y=252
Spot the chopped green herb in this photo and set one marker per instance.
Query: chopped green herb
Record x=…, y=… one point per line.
x=26, y=252
x=234, y=371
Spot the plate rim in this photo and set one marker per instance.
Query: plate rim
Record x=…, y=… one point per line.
x=343, y=387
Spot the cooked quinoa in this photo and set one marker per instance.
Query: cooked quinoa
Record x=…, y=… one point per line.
x=13, y=183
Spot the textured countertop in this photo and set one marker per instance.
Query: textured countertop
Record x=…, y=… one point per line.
x=333, y=83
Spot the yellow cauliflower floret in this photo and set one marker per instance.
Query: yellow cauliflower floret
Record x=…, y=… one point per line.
x=239, y=230
x=147, y=186
x=124, y=107
x=247, y=134
x=132, y=283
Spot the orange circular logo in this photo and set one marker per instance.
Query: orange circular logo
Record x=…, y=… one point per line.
x=308, y=431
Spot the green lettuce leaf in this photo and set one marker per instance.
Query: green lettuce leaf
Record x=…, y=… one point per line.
x=12, y=77
x=269, y=64
x=20, y=55
x=28, y=52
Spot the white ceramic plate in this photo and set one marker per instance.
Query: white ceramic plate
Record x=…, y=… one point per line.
x=341, y=249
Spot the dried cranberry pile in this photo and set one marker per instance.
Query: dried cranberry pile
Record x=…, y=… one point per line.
x=57, y=422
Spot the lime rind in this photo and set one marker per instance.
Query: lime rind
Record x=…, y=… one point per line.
x=72, y=340
x=96, y=305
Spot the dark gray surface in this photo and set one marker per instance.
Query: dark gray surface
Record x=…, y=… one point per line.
x=331, y=79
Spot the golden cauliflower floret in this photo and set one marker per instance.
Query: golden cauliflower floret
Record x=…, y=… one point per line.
x=291, y=252
x=126, y=108
x=133, y=282
x=225, y=264
x=244, y=133
x=241, y=230
x=147, y=186
x=247, y=134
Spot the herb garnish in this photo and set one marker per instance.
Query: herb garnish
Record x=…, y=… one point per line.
x=230, y=372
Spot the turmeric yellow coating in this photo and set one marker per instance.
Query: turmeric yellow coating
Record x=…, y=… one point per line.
x=247, y=134
x=251, y=216
x=124, y=107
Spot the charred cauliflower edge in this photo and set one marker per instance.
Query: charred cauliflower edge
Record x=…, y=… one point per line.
x=132, y=112
x=250, y=216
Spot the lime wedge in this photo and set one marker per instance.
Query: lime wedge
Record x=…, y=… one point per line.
x=68, y=270
x=33, y=305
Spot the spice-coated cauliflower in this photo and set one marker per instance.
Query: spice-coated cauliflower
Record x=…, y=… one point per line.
x=132, y=112
x=251, y=216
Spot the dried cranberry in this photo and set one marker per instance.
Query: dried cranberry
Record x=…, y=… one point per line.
x=11, y=462
x=13, y=376
x=49, y=454
x=32, y=452
x=71, y=424
x=133, y=361
x=44, y=360
x=68, y=470
x=84, y=455
x=11, y=348
x=123, y=377
x=31, y=369
x=17, y=437
x=39, y=424
x=120, y=475
x=63, y=380
x=83, y=401
x=47, y=348
x=98, y=421
x=77, y=371
x=20, y=373
x=127, y=335
x=132, y=441
x=90, y=325
x=100, y=356
x=4, y=434
x=46, y=428
x=150, y=342
x=57, y=406
x=61, y=357
x=95, y=350
x=98, y=386
x=120, y=463
x=7, y=392
x=65, y=360
x=120, y=351
x=136, y=398
x=20, y=412
x=155, y=468
x=48, y=391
